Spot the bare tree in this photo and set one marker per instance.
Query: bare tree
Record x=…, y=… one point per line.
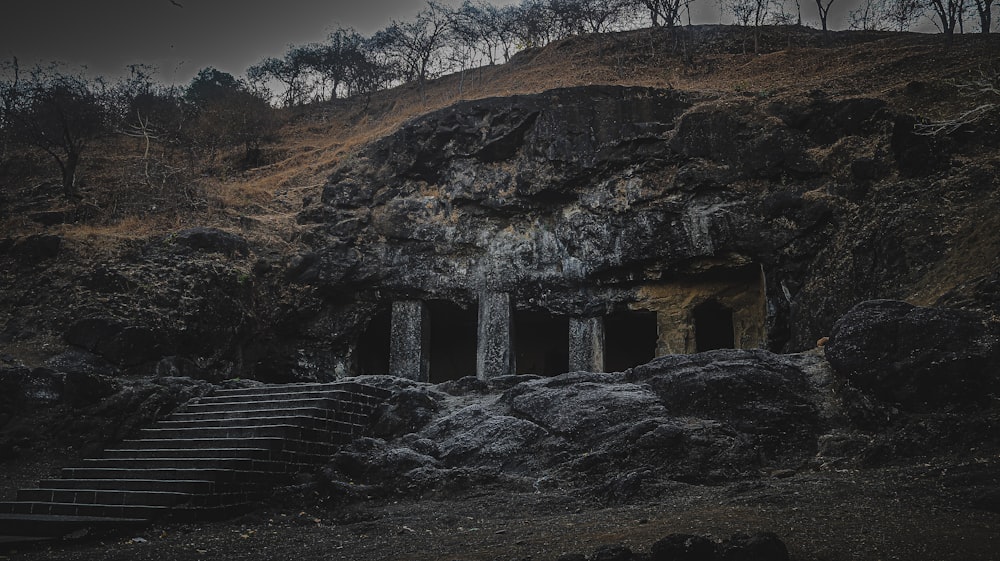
x=417, y=45
x=749, y=13
x=601, y=16
x=948, y=13
x=984, y=9
x=536, y=24
x=62, y=114
x=886, y=15
x=224, y=112
x=824, y=11
x=663, y=12
x=291, y=71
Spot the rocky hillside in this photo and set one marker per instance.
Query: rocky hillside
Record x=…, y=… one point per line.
x=827, y=186
x=805, y=163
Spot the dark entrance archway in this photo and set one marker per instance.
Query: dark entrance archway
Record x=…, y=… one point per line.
x=629, y=339
x=452, y=350
x=372, y=350
x=713, y=326
x=541, y=343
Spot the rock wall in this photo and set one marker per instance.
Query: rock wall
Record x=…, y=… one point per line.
x=579, y=201
x=576, y=202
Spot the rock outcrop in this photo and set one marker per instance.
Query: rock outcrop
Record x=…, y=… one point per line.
x=918, y=358
x=705, y=418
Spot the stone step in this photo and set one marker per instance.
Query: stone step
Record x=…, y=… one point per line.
x=279, y=388
x=289, y=456
x=189, y=486
x=210, y=459
x=141, y=498
x=276, y=404
x=354, y=388
x=272, y=443
x=54, y=526
x=250, y=453
x=297, y=420
x=320, y=412
x=269, y=404
x=103, y=496
x=75, y=509
x=217, y=475
x=337, y=433
x=329, y=394
x=139, y=464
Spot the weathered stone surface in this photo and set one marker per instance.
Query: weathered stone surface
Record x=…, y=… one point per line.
x=759, y=393
x=81, y=409
x=475, y=436
x=37, y=248
x=764, y=546
x=920, y=358
x=613, y=552
x=409, y=340
x=407, y=411
x=121, y=344
x=495, y=340
x=583, y=405
x=699, y=418
x=212, y=240
x=586, y=344
x=683, y=547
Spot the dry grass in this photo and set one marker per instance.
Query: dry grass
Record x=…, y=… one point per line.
x=315, y=139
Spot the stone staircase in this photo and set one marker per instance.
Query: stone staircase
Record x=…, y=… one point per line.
x=211, y=458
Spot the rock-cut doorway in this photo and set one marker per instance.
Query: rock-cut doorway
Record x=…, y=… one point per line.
x=713, y=327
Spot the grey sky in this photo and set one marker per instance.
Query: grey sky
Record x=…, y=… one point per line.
x=107, y=35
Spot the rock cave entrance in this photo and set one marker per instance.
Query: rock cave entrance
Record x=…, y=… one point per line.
x=452, y=351
x=372, y=350
x=629, y=339
x=541, y=343
x=713, y=327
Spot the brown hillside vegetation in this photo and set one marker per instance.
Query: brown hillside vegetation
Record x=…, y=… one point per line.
x=914, y=73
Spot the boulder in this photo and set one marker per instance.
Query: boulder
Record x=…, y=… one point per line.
x=766, y=395
x=37, y=248
x=764, y=546
x=683, y=547
x=918, y=358
x=581, y=405
x=212, y=240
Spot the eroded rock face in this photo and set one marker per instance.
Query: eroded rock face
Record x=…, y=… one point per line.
x=703, y=418
x=919, y=358
x=575, y=200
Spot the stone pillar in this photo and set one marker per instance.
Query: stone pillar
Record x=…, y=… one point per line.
x=586, y=344
x=495, y=341
x=409, y=342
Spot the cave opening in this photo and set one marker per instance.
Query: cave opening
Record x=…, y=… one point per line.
x=630, y=338
x=372, y=350
x=541, y=343
x=452, y=351
x=713, y=327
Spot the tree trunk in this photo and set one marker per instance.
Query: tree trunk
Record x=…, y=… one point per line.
x=69, y=175
x=986, y=18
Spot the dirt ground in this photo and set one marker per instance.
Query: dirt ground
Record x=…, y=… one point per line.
x=877, y=515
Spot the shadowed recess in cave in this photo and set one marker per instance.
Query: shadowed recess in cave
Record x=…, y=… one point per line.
x=452, y=341
x=541, y=343
x=372, y=352
x=629, y=339
x=713, y=326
